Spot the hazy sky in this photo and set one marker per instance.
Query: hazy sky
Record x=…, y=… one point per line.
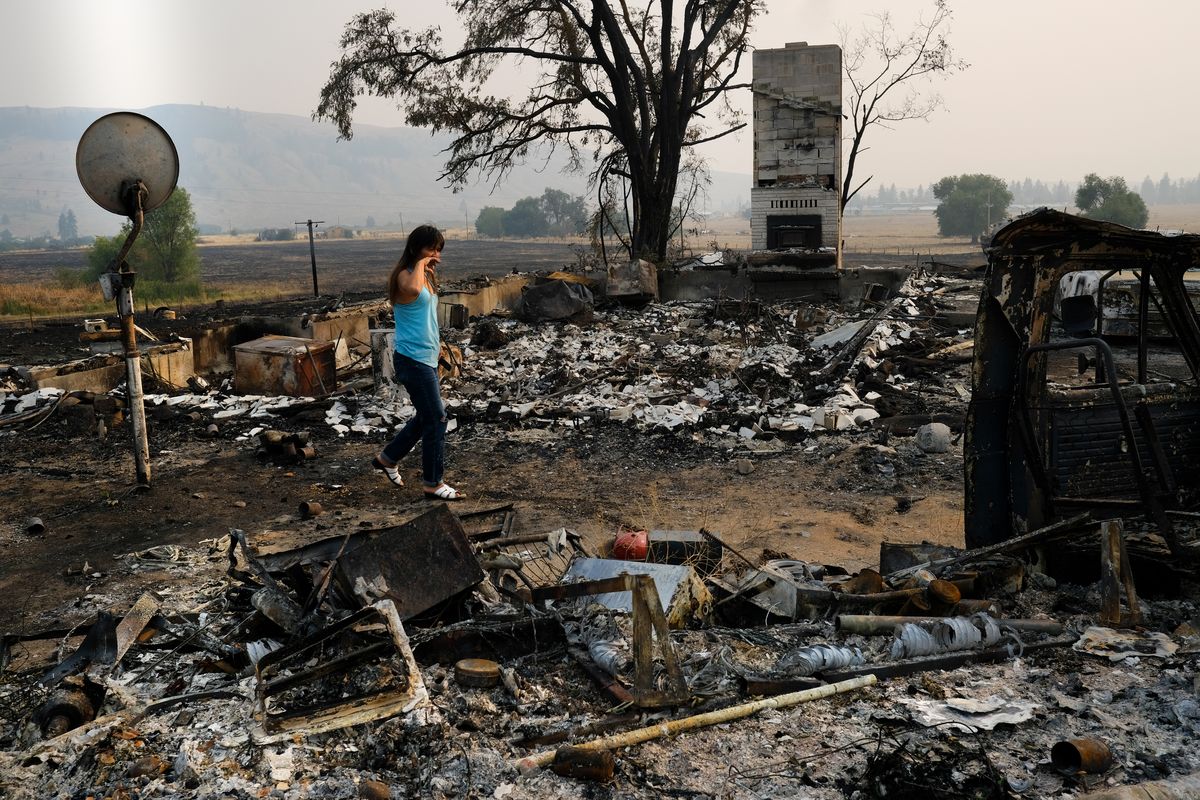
x=1056, y=88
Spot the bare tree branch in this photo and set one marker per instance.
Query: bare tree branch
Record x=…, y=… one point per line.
x=884, y=71
x=625, y=80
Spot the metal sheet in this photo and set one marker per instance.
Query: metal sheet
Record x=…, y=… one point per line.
x=416, y=565
x=680, y=591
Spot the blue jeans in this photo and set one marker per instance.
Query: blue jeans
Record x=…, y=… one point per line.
x=429, y=423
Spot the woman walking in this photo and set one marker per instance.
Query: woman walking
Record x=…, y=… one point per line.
x=412, y=290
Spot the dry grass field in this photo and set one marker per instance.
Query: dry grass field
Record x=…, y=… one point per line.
x=915, y=233
x=238, y=268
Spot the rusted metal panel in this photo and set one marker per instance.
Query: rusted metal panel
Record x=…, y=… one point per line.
x=416, y=565
x=285, y=365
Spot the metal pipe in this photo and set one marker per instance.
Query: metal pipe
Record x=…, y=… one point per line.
x=134, y=193
x=1081, y=755
x=133, y=381
x=640, y=735
x=870, y=625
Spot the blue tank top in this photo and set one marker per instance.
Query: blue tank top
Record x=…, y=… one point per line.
x=417, y=334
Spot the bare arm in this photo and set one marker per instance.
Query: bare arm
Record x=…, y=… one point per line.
x=410, y=282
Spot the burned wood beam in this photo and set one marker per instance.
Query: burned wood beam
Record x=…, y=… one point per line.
x=556, y=737
x=569, y=591
x=765, y=686
x=1061, y=527
x=339, y=664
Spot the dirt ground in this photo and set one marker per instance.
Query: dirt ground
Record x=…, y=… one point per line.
x=824, y=506
x=820, y=496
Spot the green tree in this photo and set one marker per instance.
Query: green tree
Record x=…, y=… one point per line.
x=629, y=85
x=164, y=254
x=490, y=222
x=526, y=218
x=104, y=251
x=1111, y=200
x=68, y=226
x=970, y=204
x=565, y=215
x=170, y=236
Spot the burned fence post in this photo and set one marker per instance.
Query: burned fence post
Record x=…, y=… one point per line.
x=1116, y=578
x=649, y=625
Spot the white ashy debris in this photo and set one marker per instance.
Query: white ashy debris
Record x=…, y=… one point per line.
x=31, y=400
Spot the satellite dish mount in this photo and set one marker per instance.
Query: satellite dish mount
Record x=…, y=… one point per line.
x=128, y=165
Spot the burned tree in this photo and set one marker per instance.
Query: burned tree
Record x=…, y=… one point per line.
x=882, y=70
x=620, y=87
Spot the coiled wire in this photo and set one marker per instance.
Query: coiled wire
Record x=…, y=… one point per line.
x=947, y=635
x=816, y=658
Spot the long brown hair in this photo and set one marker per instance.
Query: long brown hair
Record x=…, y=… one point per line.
x=422, y=236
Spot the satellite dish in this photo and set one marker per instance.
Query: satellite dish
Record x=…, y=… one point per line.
x=121, y=148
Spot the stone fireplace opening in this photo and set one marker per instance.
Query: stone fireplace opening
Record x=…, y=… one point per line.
x=794, y=230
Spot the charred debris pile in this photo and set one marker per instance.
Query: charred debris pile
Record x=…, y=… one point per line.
x=437, y=654
x=444, y=655
x=745, y=377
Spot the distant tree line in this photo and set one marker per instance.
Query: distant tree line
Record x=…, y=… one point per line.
x=275, y=235
x=1029, y=192
x=555, y=213
x=971, y=205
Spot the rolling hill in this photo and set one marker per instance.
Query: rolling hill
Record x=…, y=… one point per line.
x=247, y=170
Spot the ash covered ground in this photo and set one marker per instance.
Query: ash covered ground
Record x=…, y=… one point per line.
x=721, y=415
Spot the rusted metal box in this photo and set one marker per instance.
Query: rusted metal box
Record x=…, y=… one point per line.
x=285, y=365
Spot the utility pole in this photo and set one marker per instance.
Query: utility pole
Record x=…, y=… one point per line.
x=312, y=250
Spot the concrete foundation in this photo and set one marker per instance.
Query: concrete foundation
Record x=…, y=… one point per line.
x=455, y=309
x=347, y=328
x=172, y=363
x=778, y=283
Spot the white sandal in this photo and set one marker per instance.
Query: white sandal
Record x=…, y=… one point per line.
x=392, y=473
x=444, y=492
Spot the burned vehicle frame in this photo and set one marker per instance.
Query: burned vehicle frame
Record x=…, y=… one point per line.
x=1043, y=443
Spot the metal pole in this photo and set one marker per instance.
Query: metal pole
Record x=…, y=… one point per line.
x=133, y=380
x=312, y=251
x=120, y=281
